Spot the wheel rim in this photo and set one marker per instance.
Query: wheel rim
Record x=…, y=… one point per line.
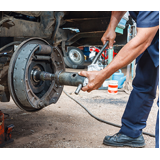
x=75, y=55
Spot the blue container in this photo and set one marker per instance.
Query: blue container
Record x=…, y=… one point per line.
x=119, y=76
x=86, y=51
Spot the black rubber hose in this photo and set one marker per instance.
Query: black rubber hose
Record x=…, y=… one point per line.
x=101, y=120
x=10, y=44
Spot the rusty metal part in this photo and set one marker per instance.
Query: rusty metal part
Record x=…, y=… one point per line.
x=59, y=16
x=62, y=78
x=41, y=75
x=7, y=19
x=50, y=25
x=28, y=28
x=28, y=94
x=1, y=91
x=13, y=26
x=47, y=21
x=1, y=88
x=30, y=13
x=47, y=58
x=5, y=97
x=44, y=49
x=4, y=71
x=4, y=94
x=70, y=79
x=23, y=28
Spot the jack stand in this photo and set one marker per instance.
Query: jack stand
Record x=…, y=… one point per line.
x=5, y=133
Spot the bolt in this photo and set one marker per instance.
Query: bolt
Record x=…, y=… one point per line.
x=41, y=104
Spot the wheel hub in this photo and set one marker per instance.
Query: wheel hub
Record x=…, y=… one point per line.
x=29, y=93
x=75, y=55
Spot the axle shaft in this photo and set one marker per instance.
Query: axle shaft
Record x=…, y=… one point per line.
x=64, y=78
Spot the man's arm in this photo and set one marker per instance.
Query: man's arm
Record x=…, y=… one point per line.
x=126, y=55
x=110, y=34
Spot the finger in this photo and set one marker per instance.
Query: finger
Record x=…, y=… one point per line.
x=93, y=88
x=85, y=88
x=89, y=90
x=111, y=42
x=83, y=73
x=88, y=87
x=103, y=40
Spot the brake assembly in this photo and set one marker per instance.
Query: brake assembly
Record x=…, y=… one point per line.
x=37, y=74
x=30, y=94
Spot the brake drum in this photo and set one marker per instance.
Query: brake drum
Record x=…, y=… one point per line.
x=28, y=93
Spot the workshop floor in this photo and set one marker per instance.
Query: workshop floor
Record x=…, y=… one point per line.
x=67, y=125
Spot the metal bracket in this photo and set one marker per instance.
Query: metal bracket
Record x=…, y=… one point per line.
x=59, y=16
x=63, y=45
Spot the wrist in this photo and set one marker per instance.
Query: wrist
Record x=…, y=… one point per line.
x=112, y=27
x=104, y=74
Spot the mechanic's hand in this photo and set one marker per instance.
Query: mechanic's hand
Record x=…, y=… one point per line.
x=95, y=80
x=110, y=36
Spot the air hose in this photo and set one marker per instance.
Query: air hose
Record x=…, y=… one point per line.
x=101, y=120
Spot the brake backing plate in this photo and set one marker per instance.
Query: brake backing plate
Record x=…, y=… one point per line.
x=30, y=94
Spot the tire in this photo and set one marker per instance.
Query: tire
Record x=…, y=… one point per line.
x=75, y=58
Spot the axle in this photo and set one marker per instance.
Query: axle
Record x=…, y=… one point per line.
x=64, y=78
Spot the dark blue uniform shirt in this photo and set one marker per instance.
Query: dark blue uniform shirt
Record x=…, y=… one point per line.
x=146, y=19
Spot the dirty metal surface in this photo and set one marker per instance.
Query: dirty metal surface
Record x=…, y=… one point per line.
x=23, y=28
x=28, y=94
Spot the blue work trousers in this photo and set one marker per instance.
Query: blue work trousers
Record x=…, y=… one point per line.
x=141, y=98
